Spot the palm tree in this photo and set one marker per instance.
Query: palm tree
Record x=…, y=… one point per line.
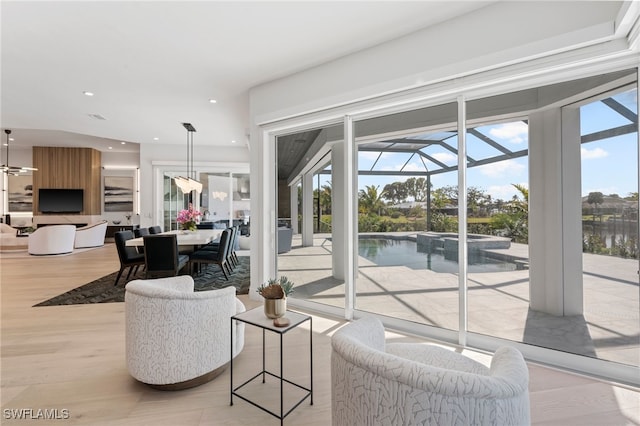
x=325, y=198
x=515, y=221
x=370, y=201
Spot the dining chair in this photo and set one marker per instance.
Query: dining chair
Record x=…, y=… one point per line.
x=129, y=256
x=218, y=257
x=140, y=232
x=156, y=229
x=161, y=256
x=232, y=258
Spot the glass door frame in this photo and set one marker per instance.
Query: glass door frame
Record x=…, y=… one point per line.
x=467, y=90
x=160, y=168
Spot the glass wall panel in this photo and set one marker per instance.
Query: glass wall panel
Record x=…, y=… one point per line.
x=574, y=144
x=609, y=178
x=216, y=199
x=306, y=232
x=497, y=222
x=407, y=264
x=174, y=201
x=241, y=207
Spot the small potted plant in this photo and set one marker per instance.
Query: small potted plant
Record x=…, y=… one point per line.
x=275, y=292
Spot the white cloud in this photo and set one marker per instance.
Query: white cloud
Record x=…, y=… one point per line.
x=445, y=157
x=516, y=132
x=502, y=168
x=368, y=155
x=590, y=154
x=504, y=192
x=411, y=167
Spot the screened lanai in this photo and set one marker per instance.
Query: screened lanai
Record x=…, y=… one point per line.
x=543, y=266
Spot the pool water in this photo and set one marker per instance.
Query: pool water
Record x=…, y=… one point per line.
x=389, y=252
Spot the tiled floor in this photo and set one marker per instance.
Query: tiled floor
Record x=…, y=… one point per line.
x=498, y=302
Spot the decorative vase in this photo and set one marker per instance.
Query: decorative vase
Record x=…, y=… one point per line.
x=189, y=226
x=275, y=308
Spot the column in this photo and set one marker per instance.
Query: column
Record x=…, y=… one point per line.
x=555, y=233
x=293, y=202
x=307, y=210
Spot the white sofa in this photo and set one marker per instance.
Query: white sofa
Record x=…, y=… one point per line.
x=91, y=235
x=374, y=383
x=177, y=338
x=52, y=239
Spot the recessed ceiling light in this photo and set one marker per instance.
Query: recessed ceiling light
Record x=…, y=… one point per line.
x=11, y=139
x=156, y=139
x=110, y=147
x=86, y=93
x=233, y=141
x=212, y=101
x=123, y=143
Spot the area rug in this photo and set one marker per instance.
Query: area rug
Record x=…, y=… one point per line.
x=102, y=290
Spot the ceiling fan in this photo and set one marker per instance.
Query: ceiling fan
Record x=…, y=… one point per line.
x=13, y=170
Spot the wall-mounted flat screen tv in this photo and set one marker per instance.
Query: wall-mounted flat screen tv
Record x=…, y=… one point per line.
x=60, y=200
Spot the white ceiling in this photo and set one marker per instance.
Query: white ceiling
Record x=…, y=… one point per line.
x=153, y=65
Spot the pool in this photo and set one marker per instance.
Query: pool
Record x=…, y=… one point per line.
x=400, y=252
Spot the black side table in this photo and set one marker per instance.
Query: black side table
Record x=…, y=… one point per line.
x=257, y=318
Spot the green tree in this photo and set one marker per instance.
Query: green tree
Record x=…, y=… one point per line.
x=370, y=200
x=395, y=192
x=595, y=198
x=447, y=195
x=477, y=200
x=514, y=220
x=325, y=198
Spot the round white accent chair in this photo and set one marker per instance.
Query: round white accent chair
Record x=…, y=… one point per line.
x=375, y=383
x=177, y=338
x=52, y=239
x=91, y=235
x=6, y=229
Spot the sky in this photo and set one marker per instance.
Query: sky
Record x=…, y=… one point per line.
x=609, y=166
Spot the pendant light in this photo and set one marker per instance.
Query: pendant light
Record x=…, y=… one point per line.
x=8, y=168
x=189, y=183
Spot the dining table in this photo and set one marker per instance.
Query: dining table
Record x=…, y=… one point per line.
x=196, y=238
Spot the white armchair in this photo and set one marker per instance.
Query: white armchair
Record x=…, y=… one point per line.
x=376, y=383
x=6, y=229
x=52, y=239
x=177, y=338
x=91, y=235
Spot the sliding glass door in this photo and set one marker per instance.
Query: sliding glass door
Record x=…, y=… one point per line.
x=407, y=263
x=547, y=195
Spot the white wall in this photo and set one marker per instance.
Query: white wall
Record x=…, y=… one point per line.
x=502, y=33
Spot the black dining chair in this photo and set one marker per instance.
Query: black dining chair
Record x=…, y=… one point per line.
x=232, y=258
x=129, y=256
x=161, y=256
x=218, y=257
x=156, y=229
x=140, y=232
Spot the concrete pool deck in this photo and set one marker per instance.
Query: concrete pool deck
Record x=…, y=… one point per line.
x=498, y=302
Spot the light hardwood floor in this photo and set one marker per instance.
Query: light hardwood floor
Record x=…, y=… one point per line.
x=72, y=358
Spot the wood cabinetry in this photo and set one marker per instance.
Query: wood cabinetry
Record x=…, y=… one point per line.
x=69, y=168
